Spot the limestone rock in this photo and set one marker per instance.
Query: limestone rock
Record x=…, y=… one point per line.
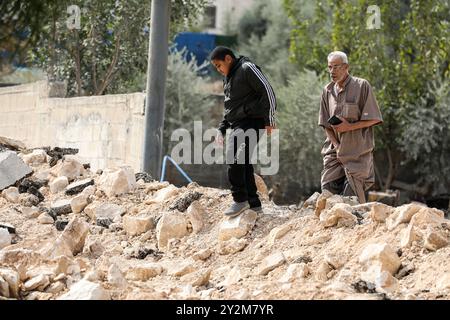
x=408, y=236
x=5, y=238
x=31, y=212
x=86, y=290
x=12, y=143
x=271, y=262
x=278, y=232
x=232, y=277
x=105, y=211
x=171, y=225
x=231, y=246
x=383, y=280
x=237, y=227
x=435, y=239
x=428, y=217
x=12, y=169
x=181, y=269
x=136, y=225
x=321, y=202
x=163, y=194
x=71, y=241
x=79, y=202
x=11, y=194
x=35, y=158
x=261, y=187
x=144, y=272
x=21, y=260
x=117, y=182
x=382, y=255
x=379, y=212
x=443, y=283
x=311, y=201
x=335, y=261
x=71, y=167
x=198, y=278
x=12, y=278
x=333, y=200
x=55, y=287
x=45, y=218
x=202, y=254
x=340, y=214
x=38, y=283
x=322, y=271
x=28, y=200
x=95, y=248
x=295, y=271
x=65, y=265
x=58, y=184
x=115, y=276
x=195, y=215
x=402, y=214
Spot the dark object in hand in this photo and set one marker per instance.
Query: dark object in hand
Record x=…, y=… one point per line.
x=334, y=120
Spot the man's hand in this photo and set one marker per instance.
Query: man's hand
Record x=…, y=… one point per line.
x=344, y=126
x=347, y=126
x=269, y=129
x=219, y=138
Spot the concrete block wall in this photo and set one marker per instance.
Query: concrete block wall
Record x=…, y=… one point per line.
x=108, y=130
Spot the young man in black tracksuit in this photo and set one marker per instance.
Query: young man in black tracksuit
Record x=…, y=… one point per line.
x=250, y=103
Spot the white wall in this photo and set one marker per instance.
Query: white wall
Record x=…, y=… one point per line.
x=108, y=130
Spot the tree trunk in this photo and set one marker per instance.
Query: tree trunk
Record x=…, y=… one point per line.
x=391, y=170
x=108, y=77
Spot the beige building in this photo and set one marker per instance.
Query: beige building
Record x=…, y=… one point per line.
x=221, y=16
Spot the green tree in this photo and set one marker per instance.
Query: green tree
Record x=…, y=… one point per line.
x=402, y=60
x=264, y=37
x=108, y=50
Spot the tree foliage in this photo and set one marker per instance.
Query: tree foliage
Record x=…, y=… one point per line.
x=110, y=48
x=407, y=62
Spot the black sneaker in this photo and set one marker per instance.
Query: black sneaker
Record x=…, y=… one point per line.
x=236, y=209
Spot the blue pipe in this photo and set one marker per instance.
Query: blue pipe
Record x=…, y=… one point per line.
x=163, y=169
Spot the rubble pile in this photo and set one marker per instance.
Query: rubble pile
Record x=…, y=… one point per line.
x=69, y=233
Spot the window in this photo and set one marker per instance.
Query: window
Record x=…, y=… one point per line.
x=210, y=16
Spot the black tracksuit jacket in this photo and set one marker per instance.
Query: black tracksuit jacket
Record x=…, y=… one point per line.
x=248, y=94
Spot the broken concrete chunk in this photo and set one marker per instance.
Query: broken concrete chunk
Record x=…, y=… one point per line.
x=60, y=207
x=12, y=169
x=78, y=186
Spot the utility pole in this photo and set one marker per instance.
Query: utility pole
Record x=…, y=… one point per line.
x=156, y=84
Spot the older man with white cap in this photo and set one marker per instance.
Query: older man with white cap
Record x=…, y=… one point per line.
x=348, y=112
